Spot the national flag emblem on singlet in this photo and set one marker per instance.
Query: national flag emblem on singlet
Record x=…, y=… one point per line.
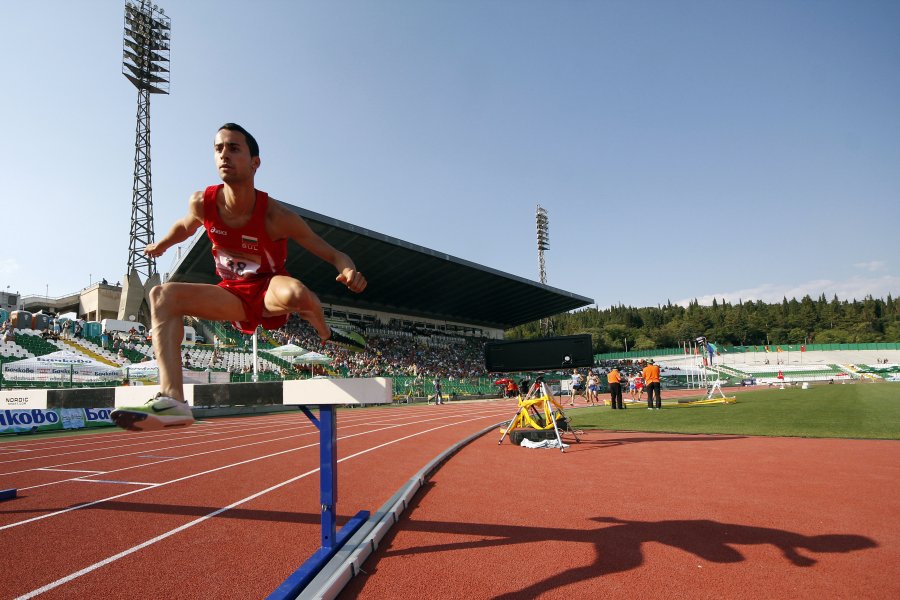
x=249, y=242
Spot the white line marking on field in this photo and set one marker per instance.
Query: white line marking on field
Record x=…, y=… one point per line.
x=69, y=470
x=361, y=421
x=228, y=466
x=117, y=481
x=170, y=533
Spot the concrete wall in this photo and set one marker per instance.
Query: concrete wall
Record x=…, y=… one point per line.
x=99, y=302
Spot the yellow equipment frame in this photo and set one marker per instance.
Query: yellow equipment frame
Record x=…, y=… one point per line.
x=538, y=402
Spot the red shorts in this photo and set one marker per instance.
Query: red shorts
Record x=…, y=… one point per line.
x=252, y=294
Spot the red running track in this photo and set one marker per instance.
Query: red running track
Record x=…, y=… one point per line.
x=224, y=509
x=642, y=515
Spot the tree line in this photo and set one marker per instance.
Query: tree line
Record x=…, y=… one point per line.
x=804, y=321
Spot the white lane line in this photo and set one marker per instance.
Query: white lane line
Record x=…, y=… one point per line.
x=150, y=464
x=167, y=448
x=226, y=449
x=261, y=429
x=211, y=428
x=214, y=470
x=260, y=423
x=69, y=470
x=116, y=435
x=222, y=426
x=362, y=420
x=199, y=520
x=116, y=481
x=367, y=422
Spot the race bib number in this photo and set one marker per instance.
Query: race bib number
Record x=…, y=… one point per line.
x=230, y=266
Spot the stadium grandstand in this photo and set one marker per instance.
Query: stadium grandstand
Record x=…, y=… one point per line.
x=426, y=314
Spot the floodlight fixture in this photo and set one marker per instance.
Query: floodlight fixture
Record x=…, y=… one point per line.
x=146, y=47
x=543, y=228
x=543, y=243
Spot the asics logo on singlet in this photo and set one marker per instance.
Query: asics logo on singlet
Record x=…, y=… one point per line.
x=218, y=231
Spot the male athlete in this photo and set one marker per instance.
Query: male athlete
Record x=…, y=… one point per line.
x=249, y=234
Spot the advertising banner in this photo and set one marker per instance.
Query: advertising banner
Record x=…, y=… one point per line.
x=38, y=420
x=22, y=399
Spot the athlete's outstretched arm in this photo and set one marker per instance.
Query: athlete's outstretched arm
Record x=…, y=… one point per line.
x=182, y=229
x=286, y=223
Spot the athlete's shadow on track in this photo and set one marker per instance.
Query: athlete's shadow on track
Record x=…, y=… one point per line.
x=618, y=544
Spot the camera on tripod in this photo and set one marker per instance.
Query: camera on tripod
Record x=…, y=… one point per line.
x=538, y=414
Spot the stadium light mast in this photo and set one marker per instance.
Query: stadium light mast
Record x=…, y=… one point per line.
x=146, y=65
x=543, y=243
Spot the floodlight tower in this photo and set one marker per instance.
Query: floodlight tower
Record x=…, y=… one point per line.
x=543, y=238
x=145, y=64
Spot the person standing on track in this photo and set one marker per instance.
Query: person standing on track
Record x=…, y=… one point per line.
x=249, y=234
x=438, y=397
x=614, y=379
x=651, y=382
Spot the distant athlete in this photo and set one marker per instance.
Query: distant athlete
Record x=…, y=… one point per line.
x=249, y=233
x=578, y=386
x=638, y=392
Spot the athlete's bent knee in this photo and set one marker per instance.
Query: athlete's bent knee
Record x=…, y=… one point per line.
x=164, y=296
x=299, y=297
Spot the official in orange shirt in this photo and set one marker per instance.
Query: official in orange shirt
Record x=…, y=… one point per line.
x=651, y=384
x=615, y=388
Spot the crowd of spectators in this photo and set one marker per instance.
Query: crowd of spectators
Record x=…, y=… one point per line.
x=393, y=352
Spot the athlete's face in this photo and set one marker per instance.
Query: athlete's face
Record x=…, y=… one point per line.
x=233, y=158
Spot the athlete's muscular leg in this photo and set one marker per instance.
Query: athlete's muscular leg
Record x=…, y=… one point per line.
x=169, y=303
x=287, y=295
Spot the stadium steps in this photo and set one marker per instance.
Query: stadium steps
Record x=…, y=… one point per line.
x=729, y=371
x=79, y=349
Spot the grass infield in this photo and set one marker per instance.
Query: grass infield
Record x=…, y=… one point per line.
x=864, y=411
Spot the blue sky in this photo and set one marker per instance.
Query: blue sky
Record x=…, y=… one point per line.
x=696, y=149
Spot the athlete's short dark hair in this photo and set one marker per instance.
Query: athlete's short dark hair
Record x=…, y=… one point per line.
x=251, y=141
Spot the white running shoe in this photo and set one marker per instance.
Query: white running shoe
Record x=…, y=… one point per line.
x=158, y=413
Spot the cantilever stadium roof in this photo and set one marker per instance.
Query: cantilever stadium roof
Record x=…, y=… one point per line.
x=403, y=279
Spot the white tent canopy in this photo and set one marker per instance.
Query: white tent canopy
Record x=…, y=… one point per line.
x=60, y=366
x=66, y=357
x=288, y=351
x=312, y=358
x=141, y=369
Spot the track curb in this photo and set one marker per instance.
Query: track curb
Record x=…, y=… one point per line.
x=347, y=563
